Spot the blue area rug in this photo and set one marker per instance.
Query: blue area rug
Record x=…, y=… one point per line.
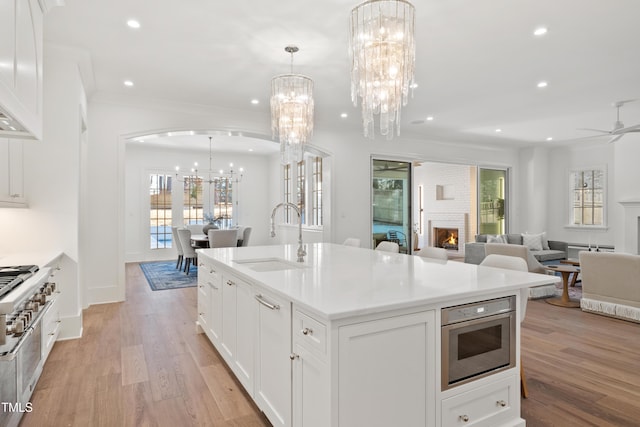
x=163, y=275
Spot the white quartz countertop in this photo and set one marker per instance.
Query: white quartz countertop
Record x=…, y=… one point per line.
x=29, y=258
x=337, y=281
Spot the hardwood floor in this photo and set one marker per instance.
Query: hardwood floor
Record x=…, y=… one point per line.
x=141, y=363
x=582, y=369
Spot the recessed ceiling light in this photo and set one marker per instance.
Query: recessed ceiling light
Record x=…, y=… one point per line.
x=540, y=31
x=255, y=101
x=132, y=23
x=429, y=118
x=128, y=83
x=542, y=84
x=550, y=138
x=498, y=130
x=344, y=115
x=250, y=149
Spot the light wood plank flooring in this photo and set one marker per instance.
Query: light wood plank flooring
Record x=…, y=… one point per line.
x=140, y=363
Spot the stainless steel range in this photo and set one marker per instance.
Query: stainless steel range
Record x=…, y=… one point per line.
x=25, y=296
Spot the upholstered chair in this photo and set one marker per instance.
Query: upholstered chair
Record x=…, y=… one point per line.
x=435, y=253
x=387, y=246
x=533, y=265
x=178, y=246
x=246, y=234
x=513, y=263
x=223, y=238
x=352, y=241
x=190, y=256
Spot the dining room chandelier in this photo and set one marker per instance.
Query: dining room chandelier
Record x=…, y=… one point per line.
x=382, y=49
x=292, y=112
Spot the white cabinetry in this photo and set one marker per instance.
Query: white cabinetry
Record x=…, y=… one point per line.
x=51, y=321
x=387, y=371
x=11, y=174
x=273, y=364
x=238, y=328
x=21, y=38
x=490, y=405
x=311, y=391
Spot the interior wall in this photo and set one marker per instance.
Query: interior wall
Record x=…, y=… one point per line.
x=252, y=193
x=626, y=174
x=561, y=160
x=51, y=180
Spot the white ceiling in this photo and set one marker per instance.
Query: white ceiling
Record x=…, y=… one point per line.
x=478, y=62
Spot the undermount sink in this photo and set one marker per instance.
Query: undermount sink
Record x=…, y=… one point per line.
x=269, y=264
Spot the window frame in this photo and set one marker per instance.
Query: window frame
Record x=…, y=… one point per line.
x=571, y=201
x=307, y=189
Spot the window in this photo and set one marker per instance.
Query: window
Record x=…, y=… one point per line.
x=316, y=190
x=222, y=206
x=301, y=190
x=287, y=191
x=308, y=180
x=587, y=197
x=192, y=200
x=160, y=211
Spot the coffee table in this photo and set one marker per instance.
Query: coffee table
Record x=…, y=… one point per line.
x=566, y=270
x=575, y=263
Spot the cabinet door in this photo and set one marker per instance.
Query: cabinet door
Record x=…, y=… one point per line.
x=28, y=56
x=273, y=368
x=245, y=333
x=215, y=320
x=387, y=372
x=204, y=308
x=228, y=342
x=7, y=42
x=310, y=389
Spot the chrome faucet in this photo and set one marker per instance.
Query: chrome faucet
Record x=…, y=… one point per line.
x=301, y=251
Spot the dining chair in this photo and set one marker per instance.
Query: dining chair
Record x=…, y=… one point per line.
x=435, y=253
x=246, y=234
x=352, y=241
x=190, y=256
x=195, y=228
x=387, y=246
x=178, y=246
x=223, y=238
x=513, y=263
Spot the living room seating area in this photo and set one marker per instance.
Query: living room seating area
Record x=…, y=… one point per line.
x=542, y=249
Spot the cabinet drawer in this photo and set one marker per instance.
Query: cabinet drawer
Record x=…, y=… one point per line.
x=310, y=332
x=488, y=405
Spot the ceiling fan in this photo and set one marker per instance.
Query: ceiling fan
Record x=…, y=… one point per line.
x=619, y=130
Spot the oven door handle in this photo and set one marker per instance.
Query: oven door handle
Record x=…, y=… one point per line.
x=23, y=339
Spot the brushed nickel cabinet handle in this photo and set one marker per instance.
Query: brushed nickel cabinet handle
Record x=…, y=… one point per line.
x=464, y=418
x=307, y=331
x=501, y=403
x=266, y=303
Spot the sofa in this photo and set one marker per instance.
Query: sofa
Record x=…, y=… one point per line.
x=549, y=250
x=610, y=284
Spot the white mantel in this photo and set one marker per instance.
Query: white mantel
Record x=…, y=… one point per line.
x=631, y=225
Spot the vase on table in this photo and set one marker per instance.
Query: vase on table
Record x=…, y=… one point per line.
x=208, y=227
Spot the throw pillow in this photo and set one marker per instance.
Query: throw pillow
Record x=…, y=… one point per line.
x=532, y=241
x=545, y=241
x=497, y=238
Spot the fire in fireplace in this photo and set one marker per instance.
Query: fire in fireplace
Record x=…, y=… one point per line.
x=446, y=238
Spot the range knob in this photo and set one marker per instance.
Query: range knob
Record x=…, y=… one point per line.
x=18, y=327
x=41, y=298
x=33, y=306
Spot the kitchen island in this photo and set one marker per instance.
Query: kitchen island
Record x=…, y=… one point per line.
x=351, y=336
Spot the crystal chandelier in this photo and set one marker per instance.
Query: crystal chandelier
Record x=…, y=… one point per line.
x=382, y=48
x=292, y=112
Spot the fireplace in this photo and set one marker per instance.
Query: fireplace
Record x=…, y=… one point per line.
x=445, y=238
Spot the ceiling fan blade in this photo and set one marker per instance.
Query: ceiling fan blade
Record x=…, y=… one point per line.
x=595, y=130
x=615, y=138
x=634, y=128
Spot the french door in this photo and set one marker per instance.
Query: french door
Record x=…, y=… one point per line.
x=391, y=203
